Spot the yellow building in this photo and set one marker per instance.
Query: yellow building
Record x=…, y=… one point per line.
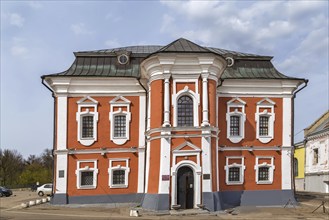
x=299, y=165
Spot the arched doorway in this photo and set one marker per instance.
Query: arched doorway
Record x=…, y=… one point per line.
x=185, y=187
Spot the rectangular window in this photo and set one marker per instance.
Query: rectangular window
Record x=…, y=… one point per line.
x=234, y=174
x=120, y=126
x=118, y=177
x=263, y=126
x=235, y=126
x=263, y=174
x=87, y=178
x=87, y=126
x=315, y=156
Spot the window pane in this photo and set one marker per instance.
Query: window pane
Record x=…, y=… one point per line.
x=234, y=174
x=263, y=173
x=120, y=126
x=118, y=177
x=87, y=178
x=263, y=125
x=185, y=111
x=87, y=126
x=235, y=126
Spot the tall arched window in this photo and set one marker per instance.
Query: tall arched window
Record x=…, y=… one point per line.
x=185, y=111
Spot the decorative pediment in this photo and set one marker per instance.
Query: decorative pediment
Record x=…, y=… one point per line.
x=266, y=101
x=236, y=101
x=87, y=100
x=186, y=146
x=120, y=100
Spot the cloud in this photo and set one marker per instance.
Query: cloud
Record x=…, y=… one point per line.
x=80, y=29
x=14, y=19
x=35, y=5
x=168, y=24
x=19, y=51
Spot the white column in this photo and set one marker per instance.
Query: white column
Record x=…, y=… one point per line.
x=286, y=144
x=205, y=120
x=164, y=184
x=141, y=143
x=149, y=109
x=61, y=159
x=206, y=162
x=166, y=121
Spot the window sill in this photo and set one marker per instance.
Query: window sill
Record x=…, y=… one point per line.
x=87, y=187
x=264, y=183
x=234, y=183
x=235, y=139
x=119, y=141
x=118, y=186
x=87, y=142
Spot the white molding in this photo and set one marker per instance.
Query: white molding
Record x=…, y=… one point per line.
x=147, y=168
x=83, y=103
x=270, y=166
x=265, y=103
x=286, y=122
x=61, y=131
x=242, y=118
x=79, y=170
x=112, y=168
x=166, y=100
x=286, y=155
x=250, y=148
x=205, y=111
x=241, y=166
x=119, y=104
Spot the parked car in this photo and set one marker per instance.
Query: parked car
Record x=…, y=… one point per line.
x=5, y=191
x=45, y=189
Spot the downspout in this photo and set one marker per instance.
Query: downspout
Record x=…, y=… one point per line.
x=146, y=114
x=292, y=132
x=54, y=129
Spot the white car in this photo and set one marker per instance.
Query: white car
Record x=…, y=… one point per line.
x=45, y=189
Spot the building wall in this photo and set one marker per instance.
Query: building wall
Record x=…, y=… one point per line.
x=299, y=179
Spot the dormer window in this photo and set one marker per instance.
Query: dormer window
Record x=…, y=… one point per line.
x=123, y=59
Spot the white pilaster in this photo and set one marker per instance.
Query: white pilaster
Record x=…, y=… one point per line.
x=147, y=168
x=149, y=109
x=166, y=104
x=205, y=120
x=164, y=185
x=61, y=159
x=141, y=144
x=206, y=163
x=286, y=144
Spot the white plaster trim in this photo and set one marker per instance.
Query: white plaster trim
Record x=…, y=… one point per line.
x=286, y=122
x=61, y=123
x=115, y=103
x=79, y=170
x=241, y=114
x=206, y=163
x=250, y=148
x=61, y=183
x=267, y=104
x=166, y=104
x=141, y=141
x=241, y=166
x=286, y=167
x=197, y=181
x=205, y=112
x=270, y=166
x=112, y=168
x=80, y=114
x=147, y=169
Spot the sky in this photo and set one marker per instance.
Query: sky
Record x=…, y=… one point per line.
x=39, y=38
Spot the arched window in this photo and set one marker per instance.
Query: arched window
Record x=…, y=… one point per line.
x=185, y=111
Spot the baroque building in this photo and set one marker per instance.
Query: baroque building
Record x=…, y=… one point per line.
x=175, y=126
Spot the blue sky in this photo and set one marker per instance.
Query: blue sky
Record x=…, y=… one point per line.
x=39, y=37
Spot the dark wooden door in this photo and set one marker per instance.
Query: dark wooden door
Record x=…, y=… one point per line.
x=185, y=188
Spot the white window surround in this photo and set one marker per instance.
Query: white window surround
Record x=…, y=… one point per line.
x=264, y=164
x=196, y=99
x=112, y=168
x=197, y=171
x=79, y=170
x=241, y=166
x=87, y=102
x=123, y=103
x=265, y=103
x=235, y=103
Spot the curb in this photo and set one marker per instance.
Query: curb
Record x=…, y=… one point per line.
x=35, y=202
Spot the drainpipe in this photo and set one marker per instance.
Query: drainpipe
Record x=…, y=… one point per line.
x=146, y=114
x=292, y=132
x=54, y=128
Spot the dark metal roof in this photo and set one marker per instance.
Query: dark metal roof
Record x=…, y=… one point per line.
x=103, y=63
x=253, y=69
x=322, y=127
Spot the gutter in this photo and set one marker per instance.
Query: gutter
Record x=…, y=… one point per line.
x=292, y=132
x=54, y=128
